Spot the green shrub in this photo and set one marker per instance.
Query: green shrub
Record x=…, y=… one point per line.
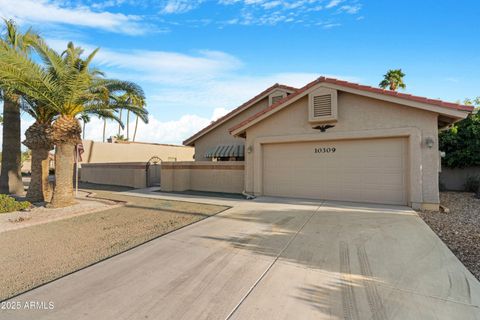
x=472, y=184
x=9, y=204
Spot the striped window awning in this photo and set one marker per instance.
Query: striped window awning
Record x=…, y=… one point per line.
x=226, y=151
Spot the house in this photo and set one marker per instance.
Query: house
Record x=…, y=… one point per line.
x=332, y=140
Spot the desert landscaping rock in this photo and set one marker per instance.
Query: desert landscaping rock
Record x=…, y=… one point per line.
x=37, y=254
x=459, y=228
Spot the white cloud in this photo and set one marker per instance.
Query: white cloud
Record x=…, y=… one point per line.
x=161, y=66
x=219, y=112
x=158, y=131
x=330, y=25
x=351, y=9
x=52, y=12
x=333, y=3
x=271, y=12
x=180, y=6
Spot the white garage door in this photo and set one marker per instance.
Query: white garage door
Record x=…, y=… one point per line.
x=370, y=170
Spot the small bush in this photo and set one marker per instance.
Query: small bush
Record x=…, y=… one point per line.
x=472, y=183
x=9, y=204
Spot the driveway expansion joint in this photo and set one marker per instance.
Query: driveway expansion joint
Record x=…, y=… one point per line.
x=255, y=284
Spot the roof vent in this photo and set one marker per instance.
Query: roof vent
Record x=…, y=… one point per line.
x=276, y=96
x=322, y=105
x=275, y=99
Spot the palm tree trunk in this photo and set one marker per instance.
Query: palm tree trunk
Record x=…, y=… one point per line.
x=119, y=126
x=135, y=131
x=39, y=188
x=83, y=129
x=64, y=161
x=11, y=177
x=128, y=123
x=104, y=128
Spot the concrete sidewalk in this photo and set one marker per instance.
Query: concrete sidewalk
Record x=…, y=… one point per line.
x=275, y=259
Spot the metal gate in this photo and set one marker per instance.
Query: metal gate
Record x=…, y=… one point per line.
x=152, y=171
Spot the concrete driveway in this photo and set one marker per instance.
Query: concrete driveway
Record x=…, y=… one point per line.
x=275, y=259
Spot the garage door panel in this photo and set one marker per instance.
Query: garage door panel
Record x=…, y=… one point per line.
x=359, y=170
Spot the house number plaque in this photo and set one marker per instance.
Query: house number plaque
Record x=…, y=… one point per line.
x=325, y=150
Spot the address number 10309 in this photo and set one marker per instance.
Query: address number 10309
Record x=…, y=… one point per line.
x=325, y=150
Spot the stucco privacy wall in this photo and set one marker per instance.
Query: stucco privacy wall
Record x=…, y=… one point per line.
x=455, y=179
x=101, y=152
x=203, y=176
x=118, y=174
x=221, y=135
x=357, y=116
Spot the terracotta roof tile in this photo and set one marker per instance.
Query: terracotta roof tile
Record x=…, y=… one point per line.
x=357, y=86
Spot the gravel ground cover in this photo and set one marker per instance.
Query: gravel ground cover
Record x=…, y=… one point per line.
x=460, y=228
x=34, y=255
x=40, y=214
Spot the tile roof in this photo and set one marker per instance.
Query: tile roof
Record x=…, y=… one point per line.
x=242, y=107
x=357, y=86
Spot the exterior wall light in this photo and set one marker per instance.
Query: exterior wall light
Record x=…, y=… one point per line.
x=429, y=142
x=249, y=149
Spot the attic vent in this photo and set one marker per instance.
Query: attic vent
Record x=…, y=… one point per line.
x=276, y=96
x=322, y=106
x=275, y=99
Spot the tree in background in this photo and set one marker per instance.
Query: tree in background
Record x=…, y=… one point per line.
x=85, y=118
x=10, y=176
x=136, y=101
x=461, y=142
x=393, y=80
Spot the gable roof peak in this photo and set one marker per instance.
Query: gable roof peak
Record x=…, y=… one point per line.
x=237, y=110
x=409, y=98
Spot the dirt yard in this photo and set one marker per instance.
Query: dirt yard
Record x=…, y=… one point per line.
x=34, y=255
x=460, y=228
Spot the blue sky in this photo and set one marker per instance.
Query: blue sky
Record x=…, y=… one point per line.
x=198, y=59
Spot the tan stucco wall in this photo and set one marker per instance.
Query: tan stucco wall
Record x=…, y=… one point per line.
x=117, y=174
x=203, y=176
x=101, y=152
x=361, y=115
x=221, y=135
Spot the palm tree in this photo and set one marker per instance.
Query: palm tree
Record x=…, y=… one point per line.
x=10, y=177
x=135, y=130
x=70, y=87
x=104, y=129
x=133, y=100
x=128, y=125
x=39, y=139
x=393, y=80
x=85, y=119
